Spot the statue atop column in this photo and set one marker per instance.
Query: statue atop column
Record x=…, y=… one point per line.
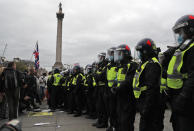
x=60, y=6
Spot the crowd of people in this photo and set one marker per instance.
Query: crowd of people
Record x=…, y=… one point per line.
x=20, y=91
x=116, y=87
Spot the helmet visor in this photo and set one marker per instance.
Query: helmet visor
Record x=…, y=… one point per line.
x=110, y=55
x=138, y=47
x=139, y=54
x=88, y=69
x=101, y=58
x=118, y=55
x=93, y=69
x=177, y=27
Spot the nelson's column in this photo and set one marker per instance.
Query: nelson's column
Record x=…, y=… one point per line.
x=60, y=15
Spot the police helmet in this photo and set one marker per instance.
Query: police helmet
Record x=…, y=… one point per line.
x=184, y=28
x=122, y=52
x=146, y=48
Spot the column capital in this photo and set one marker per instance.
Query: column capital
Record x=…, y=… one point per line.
x=60, y=15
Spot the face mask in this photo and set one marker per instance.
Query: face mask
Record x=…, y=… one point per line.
x=120, y=57
x=111, y=58
x=180, y=39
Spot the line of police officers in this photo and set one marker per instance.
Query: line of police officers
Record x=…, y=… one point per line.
x=116, y=87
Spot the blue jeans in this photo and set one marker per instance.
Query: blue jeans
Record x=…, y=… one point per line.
x=42, y=92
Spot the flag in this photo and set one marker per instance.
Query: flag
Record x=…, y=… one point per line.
x=36, y=55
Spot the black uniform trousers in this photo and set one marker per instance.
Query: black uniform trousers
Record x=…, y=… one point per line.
x=112, y=115
x=91, y=101
x=12, y=96
x=126, y=111
x=79, y=99
x=53, y=97
x=60, y=96
x=182, y=123
x=162, y=107
x=149, y=114
x=182, y=120
x=101, y=106
x=71, y=98
x=68, y=102
x=65, y=97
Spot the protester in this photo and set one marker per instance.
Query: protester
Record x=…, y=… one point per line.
x=42, y=81
x=11, y=84
x=3, y=103
x=31, y=84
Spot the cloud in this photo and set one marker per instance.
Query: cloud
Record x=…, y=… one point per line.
x=89, y=26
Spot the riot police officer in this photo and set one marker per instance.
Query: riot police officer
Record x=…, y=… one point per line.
x=64, y=91
x=95, y=89
x=78, y=91
x=101, y=81
x=55, y=80
x=71, y=86
x=146, y=84
x=180, y=75
x=111, y=98
x=90, y=91
x=125, y=100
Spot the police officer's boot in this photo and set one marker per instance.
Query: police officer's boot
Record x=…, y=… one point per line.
x=110, y=128
x=96, y=123
x=101, y=125
x=77, y=115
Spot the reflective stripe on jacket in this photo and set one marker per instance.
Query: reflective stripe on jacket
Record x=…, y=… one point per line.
x=57, y=78
x=174, y=75
x=111, y=76
x=121, y=75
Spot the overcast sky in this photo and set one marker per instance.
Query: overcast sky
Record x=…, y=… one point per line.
x=89, y=26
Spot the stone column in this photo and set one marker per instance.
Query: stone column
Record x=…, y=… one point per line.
x=60, y=15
